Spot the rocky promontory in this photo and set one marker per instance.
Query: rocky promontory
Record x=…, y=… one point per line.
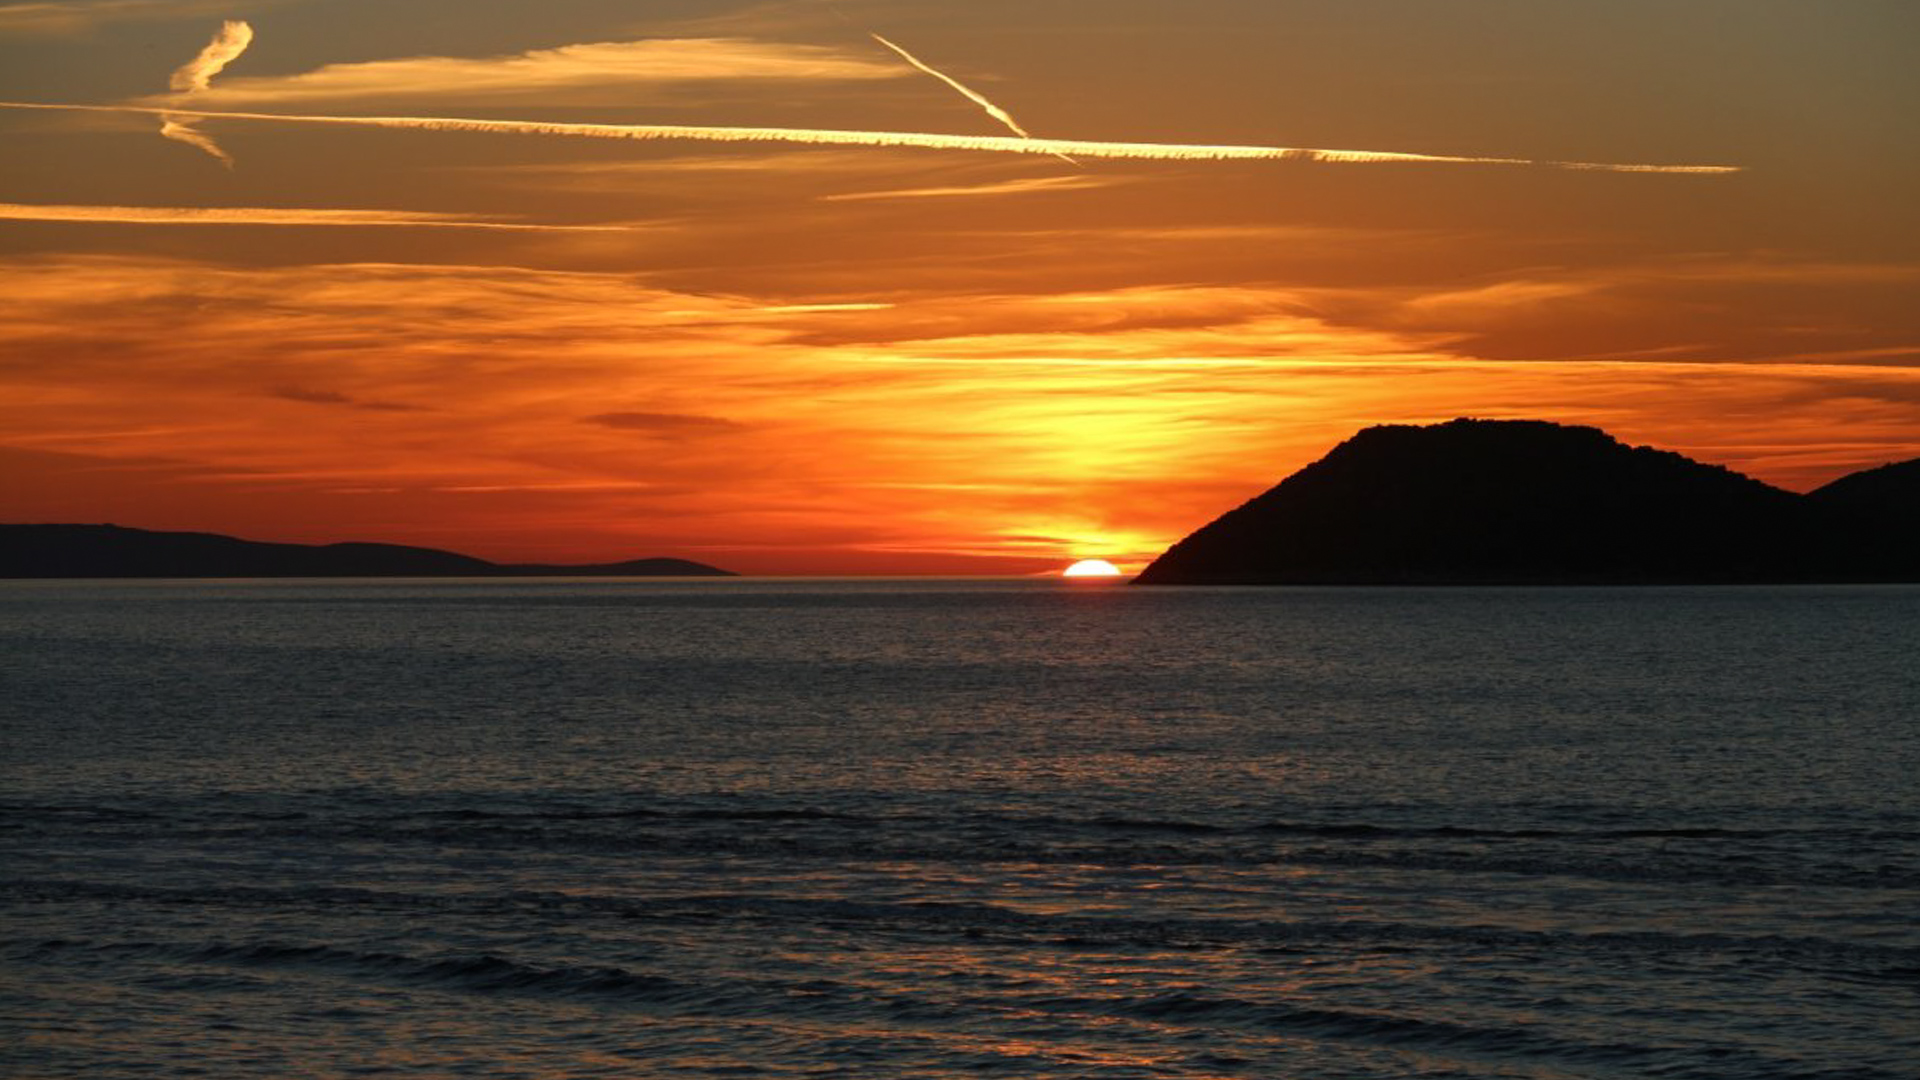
x=1534, y=502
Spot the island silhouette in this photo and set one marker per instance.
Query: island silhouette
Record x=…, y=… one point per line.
x=1531, y=502
x=111, y=551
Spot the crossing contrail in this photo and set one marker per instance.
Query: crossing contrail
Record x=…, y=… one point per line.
x=172, y=128
x=995, y=111
x=196, y=75
x=998, y=144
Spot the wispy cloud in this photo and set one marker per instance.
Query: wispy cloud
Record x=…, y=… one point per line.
x=256, y=215
x=596, y=73
x=1000, y=144
x=1630, y=293
x=194, y=76
x=1026, y=186
x=330, y=397
x=227, y=45
x=1905, y=355
x=172, y=128
x=1485, y=303
x=667, y=425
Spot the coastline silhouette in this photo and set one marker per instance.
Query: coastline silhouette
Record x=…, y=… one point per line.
x=112, y=551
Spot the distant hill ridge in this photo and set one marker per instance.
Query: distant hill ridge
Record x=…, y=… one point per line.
x=1533, y=502
x=111, y=551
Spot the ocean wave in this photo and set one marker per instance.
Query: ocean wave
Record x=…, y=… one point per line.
x=1532, y=1041
x=949, y=919
x=356, y=806
x=184, y=966
x=1664, y=857
x=929, y=1007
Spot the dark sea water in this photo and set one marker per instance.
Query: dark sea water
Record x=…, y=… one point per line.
x=944, y=829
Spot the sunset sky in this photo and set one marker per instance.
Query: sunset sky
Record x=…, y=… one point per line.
x=783, y=357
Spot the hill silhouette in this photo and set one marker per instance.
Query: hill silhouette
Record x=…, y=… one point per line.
x=1533, y=502
x=1878, y=512
x=110, y=551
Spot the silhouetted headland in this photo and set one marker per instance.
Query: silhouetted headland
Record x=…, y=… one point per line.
x=1533, y=502
x=110, y=551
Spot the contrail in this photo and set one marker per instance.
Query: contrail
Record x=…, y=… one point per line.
x=998, y=144
x=196, y=75
x=995, y=111
x=171, y=128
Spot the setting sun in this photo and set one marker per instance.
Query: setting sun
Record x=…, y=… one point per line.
x=1091, y=568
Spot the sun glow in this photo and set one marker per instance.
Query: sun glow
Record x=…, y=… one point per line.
x=1091, y=568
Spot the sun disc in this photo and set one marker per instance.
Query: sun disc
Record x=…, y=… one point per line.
x=1091, y=568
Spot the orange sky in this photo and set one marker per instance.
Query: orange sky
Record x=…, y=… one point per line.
x=784, y=358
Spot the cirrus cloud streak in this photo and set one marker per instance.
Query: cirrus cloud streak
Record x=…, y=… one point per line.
x=603, y=72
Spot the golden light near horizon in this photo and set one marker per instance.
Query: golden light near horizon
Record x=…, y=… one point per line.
x=766, y=287
x=1091, y=568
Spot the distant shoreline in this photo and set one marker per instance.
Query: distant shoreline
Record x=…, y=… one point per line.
x=113, y=552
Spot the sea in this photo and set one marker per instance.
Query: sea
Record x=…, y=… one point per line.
x=547, y=828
